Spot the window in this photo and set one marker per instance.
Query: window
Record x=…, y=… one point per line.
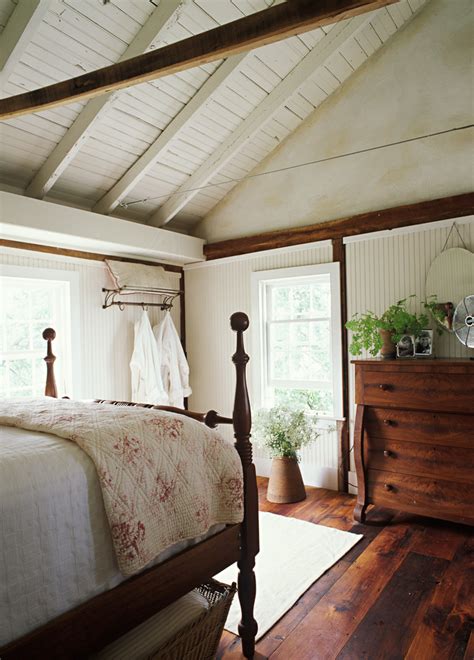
x=299, y=336
x=28, y=306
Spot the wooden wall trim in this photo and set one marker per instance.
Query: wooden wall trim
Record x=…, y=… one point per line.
x=79, y=254
x=253, y=31
x=392, y=218
x=339, y=255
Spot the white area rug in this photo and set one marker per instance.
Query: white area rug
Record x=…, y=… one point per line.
x=293, y=554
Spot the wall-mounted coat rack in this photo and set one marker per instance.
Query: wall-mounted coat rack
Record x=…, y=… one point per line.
x=165, y=297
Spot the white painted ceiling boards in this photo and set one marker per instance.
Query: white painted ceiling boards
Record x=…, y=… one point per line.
x=181, y=142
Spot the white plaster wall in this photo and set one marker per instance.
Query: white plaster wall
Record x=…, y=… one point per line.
x=418, y=84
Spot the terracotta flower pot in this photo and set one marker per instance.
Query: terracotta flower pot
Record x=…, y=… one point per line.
x=285, y=484
x=389, y=349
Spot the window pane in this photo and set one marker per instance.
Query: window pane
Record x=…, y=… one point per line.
x=280, y=302
x=300, y=302
x=42, y=305
x=279, y=351
x=39, y=374
x=321, y=299
x=3, y=376
x=300, y=351
x=320, y=401
x=17, y=336
x=21, y=373
x=17, y=302
x=22, y=393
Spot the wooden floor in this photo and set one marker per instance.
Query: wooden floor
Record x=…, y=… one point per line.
x=406, y=590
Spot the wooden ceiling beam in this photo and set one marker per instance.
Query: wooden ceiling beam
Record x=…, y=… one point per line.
x=74, y=138
x=407, y=215
x=261, y=115
x=264, y=27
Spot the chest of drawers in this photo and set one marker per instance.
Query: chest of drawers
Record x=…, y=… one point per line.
x=414, y=437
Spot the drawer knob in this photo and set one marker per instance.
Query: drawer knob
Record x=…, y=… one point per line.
x=384, y=387
x=388, y=487
x=388, y=454
x=388, y=422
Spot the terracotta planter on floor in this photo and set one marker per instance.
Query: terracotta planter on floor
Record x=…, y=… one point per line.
x=285, y=484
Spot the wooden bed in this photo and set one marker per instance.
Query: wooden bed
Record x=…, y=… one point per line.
x=95, y=623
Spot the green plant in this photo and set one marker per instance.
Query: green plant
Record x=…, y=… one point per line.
x=441, y=312
x=397, y=320
x=284, y=431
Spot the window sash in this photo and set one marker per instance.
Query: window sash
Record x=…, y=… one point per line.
x=262, y=284
x=63, y=287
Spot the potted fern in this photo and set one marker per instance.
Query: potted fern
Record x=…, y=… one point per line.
x=382, y=333
x=284, y=431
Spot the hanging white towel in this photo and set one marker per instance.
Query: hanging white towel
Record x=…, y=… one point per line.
x=145, y=365
x=174, y=366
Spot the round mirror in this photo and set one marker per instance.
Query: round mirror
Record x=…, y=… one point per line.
x=450, y=278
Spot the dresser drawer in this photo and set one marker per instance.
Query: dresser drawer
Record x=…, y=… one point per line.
x=414, y=426
x=438, y=391
x=421, y=459
x=425, y=496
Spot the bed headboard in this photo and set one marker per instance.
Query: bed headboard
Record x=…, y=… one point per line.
x=241, y=418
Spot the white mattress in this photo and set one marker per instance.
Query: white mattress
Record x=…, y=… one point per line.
x=47, y=564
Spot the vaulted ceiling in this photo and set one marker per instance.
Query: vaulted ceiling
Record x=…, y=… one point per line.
x=163, y=152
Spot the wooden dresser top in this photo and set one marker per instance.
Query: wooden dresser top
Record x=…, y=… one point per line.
x=420, y=365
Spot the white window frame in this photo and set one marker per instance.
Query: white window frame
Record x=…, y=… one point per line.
x=72, y=368
x=260, y=281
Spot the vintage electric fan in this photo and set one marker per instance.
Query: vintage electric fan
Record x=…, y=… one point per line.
x=463, y=321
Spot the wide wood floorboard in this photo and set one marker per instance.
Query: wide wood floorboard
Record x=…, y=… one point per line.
x=405, y=591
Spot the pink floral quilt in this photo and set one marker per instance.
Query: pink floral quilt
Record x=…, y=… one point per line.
x=164, y=478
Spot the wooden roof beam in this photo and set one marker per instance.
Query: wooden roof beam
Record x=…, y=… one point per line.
x=17, y=34
x=260, y=116
x=419, y=213
x=268, y=26
x=74, y=138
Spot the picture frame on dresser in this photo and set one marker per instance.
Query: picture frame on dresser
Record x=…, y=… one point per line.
x=414, y=437
x=424, y=344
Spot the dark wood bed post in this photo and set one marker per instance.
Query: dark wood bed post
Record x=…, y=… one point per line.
x=242, y=421
x=50, y=390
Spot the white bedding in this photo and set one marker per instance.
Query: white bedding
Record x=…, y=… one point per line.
x=47, y=564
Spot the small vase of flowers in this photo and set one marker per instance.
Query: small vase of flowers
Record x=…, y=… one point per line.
x=284, y=431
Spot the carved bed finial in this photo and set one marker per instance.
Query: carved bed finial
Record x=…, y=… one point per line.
x=50, y=390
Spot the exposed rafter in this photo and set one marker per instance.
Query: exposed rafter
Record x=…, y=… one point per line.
x=17, y=34
x=76, y=135
x=256, y=30
x=262, y=114
x=152, y=155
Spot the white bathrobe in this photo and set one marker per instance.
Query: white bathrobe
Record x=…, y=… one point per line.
x=174, y=366
x=145, y=365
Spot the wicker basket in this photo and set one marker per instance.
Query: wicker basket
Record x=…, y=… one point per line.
x=200, y=639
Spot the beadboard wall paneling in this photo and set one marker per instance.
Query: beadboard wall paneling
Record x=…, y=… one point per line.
x=213, y=292
x=382, y=270
x=106, y=336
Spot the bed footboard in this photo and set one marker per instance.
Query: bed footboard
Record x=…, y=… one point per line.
x=66, y=630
